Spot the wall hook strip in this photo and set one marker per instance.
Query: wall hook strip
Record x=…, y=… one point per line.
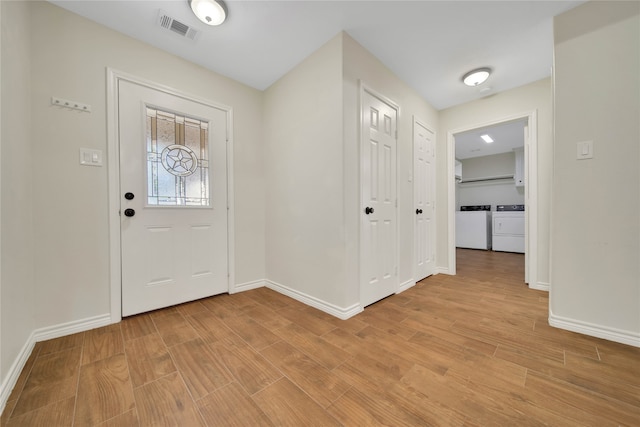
x=65, y=103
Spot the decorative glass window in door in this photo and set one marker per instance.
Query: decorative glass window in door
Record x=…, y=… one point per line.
x=177, y=160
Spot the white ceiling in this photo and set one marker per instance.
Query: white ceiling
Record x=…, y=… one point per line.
x=428, y=44
x=506, y=136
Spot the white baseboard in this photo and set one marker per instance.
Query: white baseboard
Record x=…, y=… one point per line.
x=44, y=334
x=406, y=285
x=599, y=331
x=443, y=270
x=247, y=286
x=57, y=331
x=540, y=286
x=14, y=371
x=339, y=312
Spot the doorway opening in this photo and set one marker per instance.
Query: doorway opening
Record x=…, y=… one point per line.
x=494, y=183
x=489, y=181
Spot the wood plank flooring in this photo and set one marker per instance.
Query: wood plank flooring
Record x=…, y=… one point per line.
x=468, y=350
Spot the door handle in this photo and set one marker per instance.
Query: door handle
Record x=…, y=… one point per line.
x=418, y=211
x=368, y=210
x=128, y=196
x=129, y=212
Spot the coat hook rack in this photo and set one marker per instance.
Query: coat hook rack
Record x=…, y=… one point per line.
x=65, y=103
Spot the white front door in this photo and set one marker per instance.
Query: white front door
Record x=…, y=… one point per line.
x=173, y=185
x=378, y=175
x=424, y=233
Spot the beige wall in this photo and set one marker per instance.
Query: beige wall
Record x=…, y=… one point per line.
x=487, y=166
x=17, y=238
x=532, y=97
x=312, y=120
x=499, y=192
x=305, y=249
x=69, y=57
x=596, y=231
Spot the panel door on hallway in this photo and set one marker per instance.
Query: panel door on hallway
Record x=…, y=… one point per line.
x=423, y=184
x=379, y=200
x=173, y=185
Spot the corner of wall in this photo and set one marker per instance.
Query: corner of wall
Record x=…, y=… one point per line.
x=17, y=238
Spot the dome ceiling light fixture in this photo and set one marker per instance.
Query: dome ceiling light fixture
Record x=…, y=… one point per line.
x=211, y=12
x=476, y=77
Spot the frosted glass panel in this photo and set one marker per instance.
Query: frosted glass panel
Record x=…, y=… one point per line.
x=177, y=160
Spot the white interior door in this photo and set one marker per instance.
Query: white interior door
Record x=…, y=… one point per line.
x=379, y=203
x=173, y=184
x=527, y=252
x=424, y=233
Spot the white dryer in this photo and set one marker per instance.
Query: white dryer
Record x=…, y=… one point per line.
x=509, y=228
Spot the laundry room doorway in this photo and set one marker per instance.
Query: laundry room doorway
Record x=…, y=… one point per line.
x=492, y=192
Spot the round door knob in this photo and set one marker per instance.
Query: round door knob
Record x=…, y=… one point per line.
x=368, y=210
x=418, y=211
x=129, y=196
x=129, y=212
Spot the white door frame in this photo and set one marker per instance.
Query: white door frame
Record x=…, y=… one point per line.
x=531, y=192
x=113, y=171
x=365, y=88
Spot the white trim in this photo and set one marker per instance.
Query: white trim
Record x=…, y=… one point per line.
x=113, y=171
x=113, y=175
x=44, y=334
x=16, y=368
x=599, y=331
x=540, y=286
x=231, y=225
x=363, y=87
x=4, y=395
x=406, y=285
x=75, y=326
x=451, y=203
x=247, y=286
x=443, y=270
x=531, y=191
x=340, y=312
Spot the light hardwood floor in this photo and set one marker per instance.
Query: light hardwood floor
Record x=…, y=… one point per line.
x=473, y=349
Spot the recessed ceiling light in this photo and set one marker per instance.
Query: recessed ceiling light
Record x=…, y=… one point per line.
x=477, y=76
x=486, y=138
x=211, y=12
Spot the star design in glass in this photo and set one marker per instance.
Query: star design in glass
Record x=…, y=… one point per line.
x=179, y=162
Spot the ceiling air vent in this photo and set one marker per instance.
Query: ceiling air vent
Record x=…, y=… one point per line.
x=169, y=23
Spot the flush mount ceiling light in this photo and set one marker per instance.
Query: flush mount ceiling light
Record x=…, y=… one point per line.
x=477, y=76
x=211, y=12
x=486, y=138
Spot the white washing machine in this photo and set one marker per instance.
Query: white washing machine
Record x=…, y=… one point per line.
x=473, y=227
x=509, y=228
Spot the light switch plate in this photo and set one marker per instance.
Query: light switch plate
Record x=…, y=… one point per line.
x=89, y=157
x=584, y=150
